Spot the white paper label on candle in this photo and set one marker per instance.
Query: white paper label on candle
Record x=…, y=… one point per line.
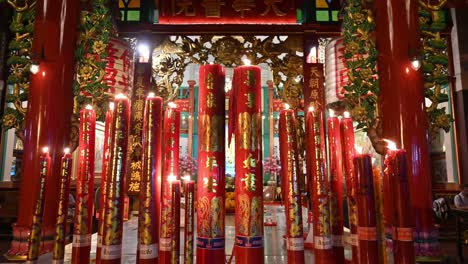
x=99, y=241
x=81, y=240
x=337, y=241
x=295, y=243
x=165, y=244
x=111, y=252
x=148, y=251
x=323, y=242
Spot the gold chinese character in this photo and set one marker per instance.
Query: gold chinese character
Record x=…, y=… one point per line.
x=313, y=94
x=138, y=105
x=314, y=83
x=210, y=100
x=211, y=162
x=138, y=116
x=140, y=93
x=249, y=162
x=271, y=5
x=251, y=79
x=314, y=72
x=138, y=128
x=135, y=176
x=186, y=7
x=250, y=100
x=135, y=165
x=134, y=187
x=243, y=5
x=213, y=8
x=209, y=81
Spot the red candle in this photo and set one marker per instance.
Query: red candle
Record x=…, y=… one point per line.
x=148, y=218
x=170, y=172
x=62, y=212
x=367, y=232
x=347, y=142
x=111, y=249
x=34, y=241
x=84, y=187
x=245, y=123
x=104, y=178
x=175, y=215
x=211, y=169
x=336, y=184
x=323, y=243
x=189, y=221
x=289, y=172
x=397, y=173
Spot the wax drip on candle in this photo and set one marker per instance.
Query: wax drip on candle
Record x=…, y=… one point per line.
x=120, y=96
x=172, y=105
x=346, y=114
x=89, y=107
x=66, y=150
x=45, y=149
x=151, y=95
x=111, y=106
x=390, y=144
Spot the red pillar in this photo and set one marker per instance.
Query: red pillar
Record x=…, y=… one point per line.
x=402, y=108
x=49, y=113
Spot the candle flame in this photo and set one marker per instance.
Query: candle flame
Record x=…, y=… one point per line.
x=311, y=109
x=358, y=149
x=331, y=112
x=246, y=62
x=171, y=178
x=45, y=149
x=390, y=144
x=66, y=150
x=111, y=106
x=186, y=178
x=373, y=160
x=120, y=96
x=286, y=106
x=89, y=107
x=151, y=95
x=172, y=105
x=346, y=114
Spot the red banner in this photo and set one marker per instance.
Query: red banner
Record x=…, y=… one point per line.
x=313, y=86
x=119, y=67
x=228, y=11
x=183, y=105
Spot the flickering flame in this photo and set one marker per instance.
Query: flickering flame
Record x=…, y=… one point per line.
x=390, y=144
x=89, y=107
x=331, y=112
x=45, y=149
x=151, y=95
x=111, y=106
x=311, y=108
x=66, y=150
x=407, y=70
x=286, y=106
x=358, y=149
x=120, y=96
x=346, y=114
x=246, y=62
x=186, y=178
x=373, y=160
x=34, y=68
x=171, y=178
x=172, y=105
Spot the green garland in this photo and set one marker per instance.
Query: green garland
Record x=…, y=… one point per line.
x=91, y=54
x=433, y=22
x=19, y=61
x=361, y=54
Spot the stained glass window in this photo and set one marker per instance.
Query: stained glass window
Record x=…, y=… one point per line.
x=325, y=11
x=130, y=10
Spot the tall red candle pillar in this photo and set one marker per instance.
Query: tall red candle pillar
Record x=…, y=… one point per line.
x=84, y=187
x=367, y=231
x=148, y=218
x=336, y=185
x=111, y=249
x=246, y=124
x=347, y=142
x=62, y=213
x=323, y=244
x=169, y=231
x=34, y=239
x=396, y=170
x=104, y=178
x=211, y=168
x=175, y=215
x=50, y=106
x=401, y=93
x=289, y=174
x=189, y=220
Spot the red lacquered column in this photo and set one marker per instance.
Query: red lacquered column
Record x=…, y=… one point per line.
x=336, y=185
x=292, y=195
x=367, y=231
x=323, y=244
x=47, y=122
x=402, y=107
x=104, y=179
x=245, y=114
x=111, y=250
x=84, y=187
x=347, y=142
x=397, y=169
x=211, y=166
x=148, y=218
x=168, y=230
